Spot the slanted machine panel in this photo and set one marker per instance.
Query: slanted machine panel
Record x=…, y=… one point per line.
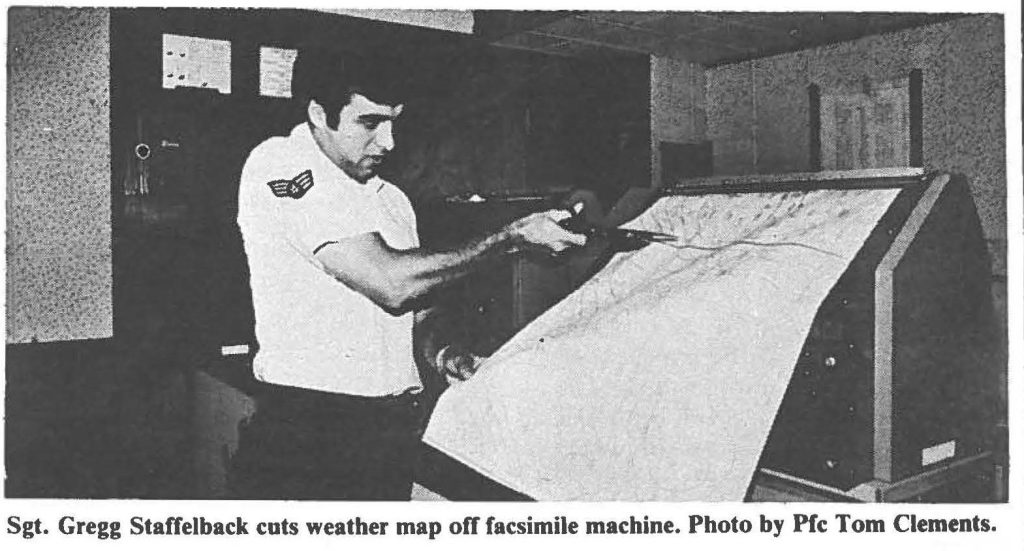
x=659, y=378
x=830, y=331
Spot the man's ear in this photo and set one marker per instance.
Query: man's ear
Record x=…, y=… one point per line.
x=316, y=114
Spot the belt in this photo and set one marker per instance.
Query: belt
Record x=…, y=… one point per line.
x=302, y=398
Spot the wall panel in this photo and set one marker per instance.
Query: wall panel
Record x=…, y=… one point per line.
x=58, y=175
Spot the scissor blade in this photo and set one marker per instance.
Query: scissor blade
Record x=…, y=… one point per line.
x=650, y=236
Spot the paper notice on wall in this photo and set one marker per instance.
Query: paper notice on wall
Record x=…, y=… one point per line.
x=659, y=379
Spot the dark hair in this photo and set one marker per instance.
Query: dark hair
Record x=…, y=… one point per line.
x=330, y=78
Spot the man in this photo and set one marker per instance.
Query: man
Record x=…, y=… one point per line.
x=336, y=271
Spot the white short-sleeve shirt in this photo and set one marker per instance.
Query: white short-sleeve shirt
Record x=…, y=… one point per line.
x=315, y=332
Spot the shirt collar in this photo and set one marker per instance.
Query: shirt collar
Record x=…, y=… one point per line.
x=304, y=136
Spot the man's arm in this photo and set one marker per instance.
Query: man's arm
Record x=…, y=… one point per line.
x=394, y=279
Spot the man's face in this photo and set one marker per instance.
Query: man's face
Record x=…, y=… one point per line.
x=363, y=137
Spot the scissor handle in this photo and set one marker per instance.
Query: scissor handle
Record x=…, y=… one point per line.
x=578, y=224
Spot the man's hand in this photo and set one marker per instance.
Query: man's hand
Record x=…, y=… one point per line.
x=542, y=230
x=456, y=364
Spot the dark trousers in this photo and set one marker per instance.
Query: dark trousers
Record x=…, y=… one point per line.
x=305, y=444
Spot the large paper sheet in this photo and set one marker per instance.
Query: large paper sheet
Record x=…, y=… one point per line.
x=659, y=378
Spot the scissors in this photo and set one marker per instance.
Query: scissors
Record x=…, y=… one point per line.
x=578, y=224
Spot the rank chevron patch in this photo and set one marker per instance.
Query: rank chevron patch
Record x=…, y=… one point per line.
x=294, y=188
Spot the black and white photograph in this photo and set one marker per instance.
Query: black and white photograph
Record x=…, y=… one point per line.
x=448, y=255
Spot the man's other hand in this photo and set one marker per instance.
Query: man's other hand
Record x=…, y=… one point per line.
x=542, y=230
x=456, y=364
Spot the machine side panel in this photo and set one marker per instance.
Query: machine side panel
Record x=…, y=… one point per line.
x=942, y=341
